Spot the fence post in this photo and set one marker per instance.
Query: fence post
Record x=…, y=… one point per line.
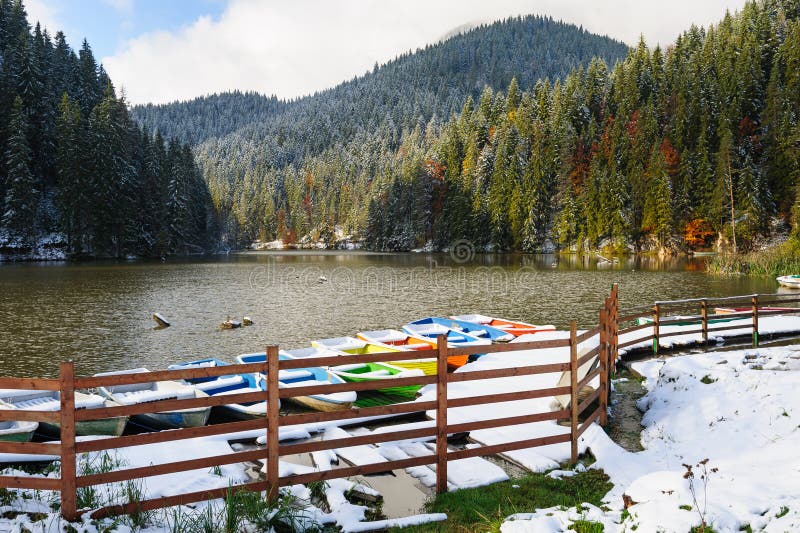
x=273, y=422
x=604, y=357
x=573, y=390
x=656, y=328
x=441, y=414
x=755, y=320
x=614, y=330
x=704, y=314
x=69, y=509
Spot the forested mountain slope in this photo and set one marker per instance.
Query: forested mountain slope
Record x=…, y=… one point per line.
x=75, y=169
x=290, y=168
x=667, y=149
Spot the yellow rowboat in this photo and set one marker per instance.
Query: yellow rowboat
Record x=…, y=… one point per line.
x=354, y=346
x=407, y=341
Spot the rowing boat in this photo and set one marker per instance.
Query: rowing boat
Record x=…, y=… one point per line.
x=430, y=330
x=514, y=327
x=41, y=400
x=390, y=339
x=16, y=430
x=481, y=331
x=223, y=386
x=678, y=320
x=141, y=393
x=302, y=377
x=731, y=310
x=792, y=282
x=354, y=346
x=365, y=372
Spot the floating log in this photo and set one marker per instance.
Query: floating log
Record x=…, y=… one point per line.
x=161, y=321
x=247, y=321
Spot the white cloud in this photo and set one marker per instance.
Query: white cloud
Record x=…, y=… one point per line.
x=292, y=48
x=45, y=13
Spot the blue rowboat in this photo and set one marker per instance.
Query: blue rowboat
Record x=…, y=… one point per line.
x=303, y=377
x=432, y=327
x=200, y=363
x=225, y=385
x=481, y=331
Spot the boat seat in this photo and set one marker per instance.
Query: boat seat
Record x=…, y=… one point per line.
x=291, y=376
x=375, y=374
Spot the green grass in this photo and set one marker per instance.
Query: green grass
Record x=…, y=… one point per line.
x=780, y=260
x=485, y=508
x=586, y=526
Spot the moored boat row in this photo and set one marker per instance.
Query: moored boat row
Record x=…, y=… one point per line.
x=464, y=330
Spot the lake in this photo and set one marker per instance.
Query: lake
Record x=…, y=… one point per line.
x=99, y=314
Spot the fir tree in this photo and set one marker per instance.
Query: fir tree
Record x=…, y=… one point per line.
x=21, y=201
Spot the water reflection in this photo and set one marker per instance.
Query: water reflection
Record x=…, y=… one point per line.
x=99, y=313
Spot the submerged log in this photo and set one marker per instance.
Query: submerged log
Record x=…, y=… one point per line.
x=160, y=320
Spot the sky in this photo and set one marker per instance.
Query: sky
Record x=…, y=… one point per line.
x=164, y=50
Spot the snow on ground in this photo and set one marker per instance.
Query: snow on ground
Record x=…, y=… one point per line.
x=740, y=410
x=535, y=459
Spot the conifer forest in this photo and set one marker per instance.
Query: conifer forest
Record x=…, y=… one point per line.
x=527, y=134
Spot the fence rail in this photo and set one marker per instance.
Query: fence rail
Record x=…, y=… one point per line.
x=577, y=353
x=673, y=313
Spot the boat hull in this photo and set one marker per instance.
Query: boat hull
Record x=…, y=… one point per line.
x=382, y=373
x=174, y=419
x=231, y=412
x=18, y=432
x=428, y=366
x=113, y=427
x=320, y=405
x=792, y=282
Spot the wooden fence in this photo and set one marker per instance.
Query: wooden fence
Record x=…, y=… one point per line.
x=598, y=342
x=710, y=315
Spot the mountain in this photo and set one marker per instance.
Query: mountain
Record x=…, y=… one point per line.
x=77, y=175
x=671, y=149
x=278, y=168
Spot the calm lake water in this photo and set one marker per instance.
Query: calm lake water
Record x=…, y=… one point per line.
x=99, y=314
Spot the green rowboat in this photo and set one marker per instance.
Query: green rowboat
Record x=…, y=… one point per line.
x=359, y=373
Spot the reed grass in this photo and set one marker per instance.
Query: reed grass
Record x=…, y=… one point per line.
x=780, y=260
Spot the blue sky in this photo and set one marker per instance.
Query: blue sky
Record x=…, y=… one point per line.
x=110, y=24
x=165, y=50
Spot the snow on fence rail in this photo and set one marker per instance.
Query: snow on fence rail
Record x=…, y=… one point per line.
x=68, y=448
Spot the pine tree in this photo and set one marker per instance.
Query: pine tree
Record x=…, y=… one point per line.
x=657, y=218
x=72, y=197
x=21, y=201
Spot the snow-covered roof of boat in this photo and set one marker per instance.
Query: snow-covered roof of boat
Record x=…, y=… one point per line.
x=129, y=371
x=311, y=351
x=385, y=335
x=342, y=343
x=428, y=329
x=478, y=319
x=228, y=381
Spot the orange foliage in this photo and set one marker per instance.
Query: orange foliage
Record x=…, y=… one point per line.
x=671, y=157
x=632, y=126
x=698, y=233
x=580, y=169
x=435, y=170
x=280, y=222
x=606, y=139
